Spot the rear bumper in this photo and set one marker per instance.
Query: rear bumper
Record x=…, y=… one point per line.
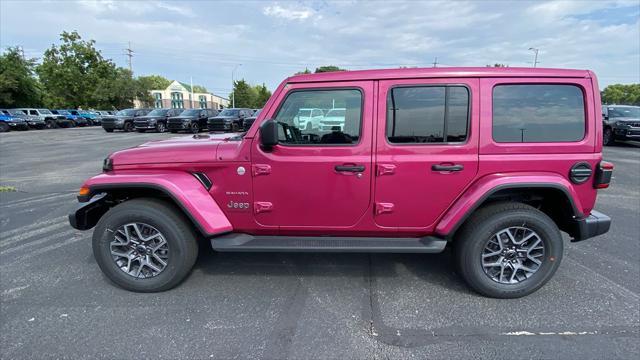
x=593, y=225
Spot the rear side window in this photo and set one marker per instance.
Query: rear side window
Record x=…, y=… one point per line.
x=427, y=114
x=538, y=113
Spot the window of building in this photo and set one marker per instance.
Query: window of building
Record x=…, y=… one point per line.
x=538, y=113
x=427, y=114
x=158, y=99
x=177, y=100
x=340, y=124
x=203, y=101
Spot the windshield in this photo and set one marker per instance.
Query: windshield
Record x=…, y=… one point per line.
x=229, y=112
x=44, y=111
x=128, y=112
x=255, y=114
x=158, y=112
x=630, y=112
x=16, y=112
x=192, y=112
x=63, y=112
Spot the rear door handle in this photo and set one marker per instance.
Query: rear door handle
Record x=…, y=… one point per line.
x=350, y=168
x=454, y=167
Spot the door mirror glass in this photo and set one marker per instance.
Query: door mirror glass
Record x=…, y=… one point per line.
x=269, y=134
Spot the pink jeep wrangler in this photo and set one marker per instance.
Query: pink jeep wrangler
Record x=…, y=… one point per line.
x=493, y=162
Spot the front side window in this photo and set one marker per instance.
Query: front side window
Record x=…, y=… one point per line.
x=427, y=114
x=341, y=123
x=538, y=113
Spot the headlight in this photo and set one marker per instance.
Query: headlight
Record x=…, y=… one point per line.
x=152, y=121
x=119, y=121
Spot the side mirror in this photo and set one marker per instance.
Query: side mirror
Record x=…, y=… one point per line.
x=269, y=134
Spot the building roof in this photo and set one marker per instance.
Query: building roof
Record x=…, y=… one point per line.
x=186, y=86
x=440, y=72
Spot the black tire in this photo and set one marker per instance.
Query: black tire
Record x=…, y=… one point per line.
x=479, y=229
x=235, y=127
x=194, y=128
x=4, y=127
x=108, y=130
x=608, y=138
x=128, y=126
x=51, y=124
x=176, y=229
x=161, y=127
x=72, y=124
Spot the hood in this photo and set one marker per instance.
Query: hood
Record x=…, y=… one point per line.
x=631, y=119
x=201, y=148
x=123, y=117
x=223, y=118
x=149, y=117
x=180, y=118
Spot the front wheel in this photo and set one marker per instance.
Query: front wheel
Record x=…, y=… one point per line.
x=145, y=245
x=128, y=126
x=607, y=137
x=160, y=127
x=508, y=250
x=108, y=130
x=51, y=124
x=195, y=128
x=4, y=127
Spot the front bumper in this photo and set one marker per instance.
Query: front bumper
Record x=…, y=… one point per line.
x=182, y=125
x=16, y=126
x=112, y=125
x=593, y=225
x=147, y=125
x=219, y=125
x=87, y=214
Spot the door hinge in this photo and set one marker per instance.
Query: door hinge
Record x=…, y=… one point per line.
x=261, y=169
x=262, y=206
x=383, y=208
x=386, y=169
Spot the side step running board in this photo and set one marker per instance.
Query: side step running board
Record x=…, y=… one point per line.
x=251, y=243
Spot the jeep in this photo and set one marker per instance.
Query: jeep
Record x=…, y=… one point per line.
x=123, y=120
x=620, y=122
x=52, y=121
x=155, y=120
x=33, y=122
x=229, y=120
x=191, y=120
x=492, y=162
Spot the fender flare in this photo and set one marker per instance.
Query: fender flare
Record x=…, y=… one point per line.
x=479, y=192
x=185, y=190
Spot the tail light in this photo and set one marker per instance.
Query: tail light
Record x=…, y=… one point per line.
x=603, y=175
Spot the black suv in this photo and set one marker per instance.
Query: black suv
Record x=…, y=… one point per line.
x=123, y=120
x=620, y=122
x=155, y=120
x=229, y=119
x=192, y=120
x=247, y=122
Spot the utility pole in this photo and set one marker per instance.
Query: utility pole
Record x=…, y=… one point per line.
x=435, y=62
x=191, y=100
x=535, y=56
x=233, y=86
x=21, y=51
x=130, y=55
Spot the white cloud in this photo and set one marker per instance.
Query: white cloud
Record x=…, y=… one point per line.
x=287, y=13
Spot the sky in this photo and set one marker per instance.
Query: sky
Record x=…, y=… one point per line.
x=207, y=40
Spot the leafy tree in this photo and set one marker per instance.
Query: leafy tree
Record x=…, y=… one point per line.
x=75, y=74
x=154, y=82
x=244, y=94
x=328, y=68
x=621, y=94
x=262, y=95
x=18, y=84
x=306, y=71
x=199, y=89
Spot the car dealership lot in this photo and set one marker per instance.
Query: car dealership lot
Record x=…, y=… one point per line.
x=55, y=302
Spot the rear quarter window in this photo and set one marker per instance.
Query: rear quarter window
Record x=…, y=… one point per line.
x=538, y=113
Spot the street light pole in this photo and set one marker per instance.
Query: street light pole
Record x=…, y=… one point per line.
x=233, y=86
x=535, y=56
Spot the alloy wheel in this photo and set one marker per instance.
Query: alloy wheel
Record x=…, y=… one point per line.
x=512, y=255
x=161, y=127
x=140, y=250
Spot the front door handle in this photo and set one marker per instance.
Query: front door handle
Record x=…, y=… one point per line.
x=350, y=168
x=452, y=167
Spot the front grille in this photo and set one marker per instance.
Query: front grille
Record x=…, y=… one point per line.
x=216, y=125
x=634, y=124
x=176, y=125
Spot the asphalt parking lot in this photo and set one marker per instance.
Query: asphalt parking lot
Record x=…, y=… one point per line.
x=55, y=302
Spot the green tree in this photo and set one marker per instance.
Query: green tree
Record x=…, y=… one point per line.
x=621, y=94
x=199, y=89
x=306, y=71
x=328, y=68
x=245, y=95
x=262, y=95
x=154, y=82
x=75, y=74
x=18, y=85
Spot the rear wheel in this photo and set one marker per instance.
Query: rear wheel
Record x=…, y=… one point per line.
x=194, y=128
x=51, y=124
x=160, y=127
x=4, y=127
x=128, y=126
x=607, y=137
x=72, y=124
x=145, y=245
x=508, y=250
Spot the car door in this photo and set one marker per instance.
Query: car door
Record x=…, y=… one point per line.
x=316, y=179
x=427, y=148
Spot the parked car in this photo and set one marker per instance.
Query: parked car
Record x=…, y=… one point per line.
x=620, y=122
x=123, y=120
x=10, y=122
x=191, y=120
x=335, y=118
x=75, y=119
x=33, y=122
x=51, y=120
x=103, y=114
x=229, y=119
x=89, y=116
x=155, y=120
x=309, y=119
x=247, y=122
x=494, y=162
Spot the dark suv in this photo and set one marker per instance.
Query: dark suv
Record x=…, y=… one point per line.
x=123, y=120
x=155, y=120
x=229, y=119
x=192, y=120
x=620, y=122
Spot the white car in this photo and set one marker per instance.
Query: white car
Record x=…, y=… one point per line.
x=332, y=119
x=308, y=119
